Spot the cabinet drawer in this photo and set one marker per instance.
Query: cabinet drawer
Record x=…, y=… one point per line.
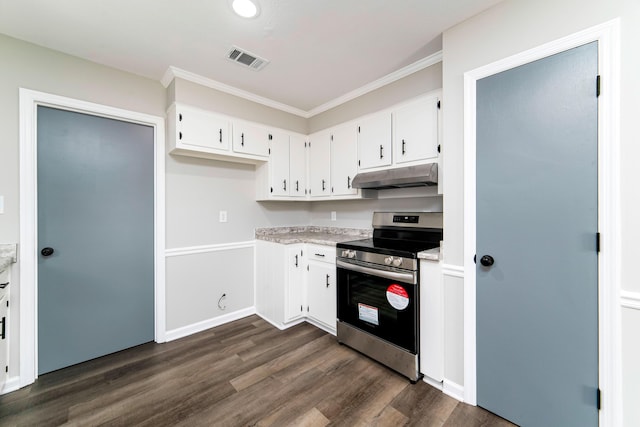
x=322, y=253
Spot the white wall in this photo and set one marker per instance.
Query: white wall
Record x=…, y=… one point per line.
x=509, y=28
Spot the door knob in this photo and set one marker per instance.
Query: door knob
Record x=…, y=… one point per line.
x=47, y=251
x=487, y=260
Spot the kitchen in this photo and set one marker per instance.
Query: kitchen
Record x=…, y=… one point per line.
x=492, y=35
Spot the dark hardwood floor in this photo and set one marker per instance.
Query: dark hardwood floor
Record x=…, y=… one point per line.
x=243, y=373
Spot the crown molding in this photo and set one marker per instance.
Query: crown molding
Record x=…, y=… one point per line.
x=377, y=84
x=173, y=72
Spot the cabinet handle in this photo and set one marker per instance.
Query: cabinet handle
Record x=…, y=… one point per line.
x=320, y=255
x=179, y=135
x=327, y=280
x=180, y=117
x=242, y=139
x=348, y=182
x=220, y=135
x=296, y=260
x=284, y=185
x=403, y=147
x=381, y=155
x=4, y=328
x=297, y=186
x=438, y=148
x=323, y=186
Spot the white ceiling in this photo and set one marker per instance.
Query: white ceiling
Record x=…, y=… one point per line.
x=319, y=50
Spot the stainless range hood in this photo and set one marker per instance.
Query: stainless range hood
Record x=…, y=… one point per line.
x=409, y=176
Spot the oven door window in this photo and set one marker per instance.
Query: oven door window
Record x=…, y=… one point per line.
x=382, y=307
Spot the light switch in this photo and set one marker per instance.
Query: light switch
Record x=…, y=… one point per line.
x=333, y=215
x=223, y=216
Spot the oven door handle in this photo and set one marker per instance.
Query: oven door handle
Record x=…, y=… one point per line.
x=392, y=275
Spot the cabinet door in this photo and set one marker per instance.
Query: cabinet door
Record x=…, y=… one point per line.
x=250, y=139
x=344, y=159
x=297, y=166
x=201, y=129
x=295, y=283
x=415, y=131
x=320, y=164
x=4, y=351
x=279, y=164
x=321, y=293
x=374, y=141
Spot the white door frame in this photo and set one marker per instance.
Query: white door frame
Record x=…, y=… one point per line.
x=29, y=102
x=610, y=358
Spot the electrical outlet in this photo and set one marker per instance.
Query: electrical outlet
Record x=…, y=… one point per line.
x=223, y=216
x=333, y=215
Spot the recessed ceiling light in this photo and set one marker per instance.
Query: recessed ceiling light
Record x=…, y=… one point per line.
x=245, y=8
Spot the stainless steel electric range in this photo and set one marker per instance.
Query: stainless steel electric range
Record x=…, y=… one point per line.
x=378, y=285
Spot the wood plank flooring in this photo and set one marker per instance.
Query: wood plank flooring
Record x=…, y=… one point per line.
x=245, y=373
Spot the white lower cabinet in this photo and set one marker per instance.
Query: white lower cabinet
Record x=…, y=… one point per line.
x=296, y=282
x=431, y=320
x=279, y=290
x=321, y=286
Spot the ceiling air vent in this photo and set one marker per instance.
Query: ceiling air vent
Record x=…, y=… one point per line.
x=243, y=57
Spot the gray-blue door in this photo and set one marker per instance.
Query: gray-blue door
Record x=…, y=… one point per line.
x=537, y=177
x=96, y=211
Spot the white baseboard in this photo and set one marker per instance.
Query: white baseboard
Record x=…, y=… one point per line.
x=433, y=383
x=208, y=324
x=281, y=326
x=322, y=326
x=452, y=389
x=12, y=384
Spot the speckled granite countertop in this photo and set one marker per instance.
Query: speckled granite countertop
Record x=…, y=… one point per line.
x=430, y=254
x=327, y=236
x=8, y=254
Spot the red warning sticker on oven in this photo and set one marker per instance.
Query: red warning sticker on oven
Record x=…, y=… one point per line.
x=397, y=297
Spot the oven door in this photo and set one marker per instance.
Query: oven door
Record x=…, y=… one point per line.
x=383, y=303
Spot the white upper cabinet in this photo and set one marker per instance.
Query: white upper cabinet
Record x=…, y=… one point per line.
x=374, y=141
x=320, y=164
x=279, y=164
x=415, y=131
x=250, y=139
x=344, y=159
x=197, y=131
x=297, y=166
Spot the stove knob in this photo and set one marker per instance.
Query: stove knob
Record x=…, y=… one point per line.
x=388, y=260
x=351, y=254
x=397, y=262
x=345, y=253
